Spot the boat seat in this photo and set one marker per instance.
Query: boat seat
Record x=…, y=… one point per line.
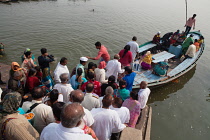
x=162, y=56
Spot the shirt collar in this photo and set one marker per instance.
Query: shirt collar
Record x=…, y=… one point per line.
x=70, y=130
x=35, y=101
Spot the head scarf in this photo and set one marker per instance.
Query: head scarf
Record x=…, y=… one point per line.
x=147, y=58
x=10, y=103
x=102, y=65
x=15, y=64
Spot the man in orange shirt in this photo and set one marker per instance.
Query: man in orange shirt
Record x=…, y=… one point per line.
x=190, y=22
x=103, y=53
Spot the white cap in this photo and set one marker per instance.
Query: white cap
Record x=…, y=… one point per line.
x=83, y=58
x=158, y=32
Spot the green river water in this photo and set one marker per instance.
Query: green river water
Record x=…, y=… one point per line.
x=181, y=110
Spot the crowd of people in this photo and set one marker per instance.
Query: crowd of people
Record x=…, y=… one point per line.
x=96, y=102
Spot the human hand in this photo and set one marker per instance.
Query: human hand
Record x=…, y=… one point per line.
x=87, y=57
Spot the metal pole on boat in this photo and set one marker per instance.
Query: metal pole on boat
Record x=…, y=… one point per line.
x=186, y=9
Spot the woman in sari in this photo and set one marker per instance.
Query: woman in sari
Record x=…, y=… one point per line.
x=14, y=125
x=76, y=81
x=16, y=67
x=134, y=107
x=28, y=63
x=125, y=56
x=146, y=61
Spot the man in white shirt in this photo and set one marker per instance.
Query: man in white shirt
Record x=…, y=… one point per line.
x=68, y=129
x=61, y=68
x=123, y=112
x=43, y=113
x=90, y=101
x=78, y=96
x=64, y=87
x=143, y=94
x=107, y=121
x=190, y=51
x=114, y=67
x=134, y=47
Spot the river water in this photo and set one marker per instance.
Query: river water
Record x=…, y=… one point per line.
x=70, y=28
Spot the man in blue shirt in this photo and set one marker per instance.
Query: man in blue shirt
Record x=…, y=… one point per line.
x=129, y=77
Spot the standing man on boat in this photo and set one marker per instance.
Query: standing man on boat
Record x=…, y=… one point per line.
x=143, y=94
x=134, y=46
x=103, y=53
x=189, y=23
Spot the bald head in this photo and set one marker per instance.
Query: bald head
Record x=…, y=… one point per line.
x=143, y=85
x=71, y=115
x=116, y=56
x=107, y=100
x=77, y=96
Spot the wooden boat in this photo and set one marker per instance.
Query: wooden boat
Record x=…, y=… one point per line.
x=176, y=67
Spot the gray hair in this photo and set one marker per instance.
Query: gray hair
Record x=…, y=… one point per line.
x=64, y=77
x=71, y=115
x=109, y=90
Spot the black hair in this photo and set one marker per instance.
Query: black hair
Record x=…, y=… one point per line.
x=107, y=100
x=54, y=95
x=38, y=68
x=128, y=69
x=31, y=72
x=27, y=54
x=196, y=40
x=90, y=75
x=126, y=49
x=134, y=95
x=194, y=15
x=122, y=83
x=37, y=93
x=134, y=38
x=82, y=62
x=43, y=50
x=90, y=65
x=98, y=44
x=111, y=80
x=63, y=59
x=201, y=37
x=79, y=73
x=89, y=87
x=57, y=108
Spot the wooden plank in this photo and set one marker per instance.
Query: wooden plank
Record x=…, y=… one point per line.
x=182, y=66
x=146, y=47
x=149, y=124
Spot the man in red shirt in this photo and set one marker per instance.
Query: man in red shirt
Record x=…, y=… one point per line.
x=97, y=84
x=103, y=53
x=190, y=22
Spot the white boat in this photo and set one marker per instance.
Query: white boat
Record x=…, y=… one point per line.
x=176, y=68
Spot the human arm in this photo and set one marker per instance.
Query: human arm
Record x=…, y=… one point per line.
x=97, y=57
x=102, y=77
x=118, y=126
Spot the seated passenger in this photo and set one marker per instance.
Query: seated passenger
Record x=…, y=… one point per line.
x=181, y=38
x=197, y=45
x=161, y=68
x=156, y=39
x=166, y=40
x=175, y=37
x=201, y=40
x=146, y=61
x=186, y=44
x=191, y=51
